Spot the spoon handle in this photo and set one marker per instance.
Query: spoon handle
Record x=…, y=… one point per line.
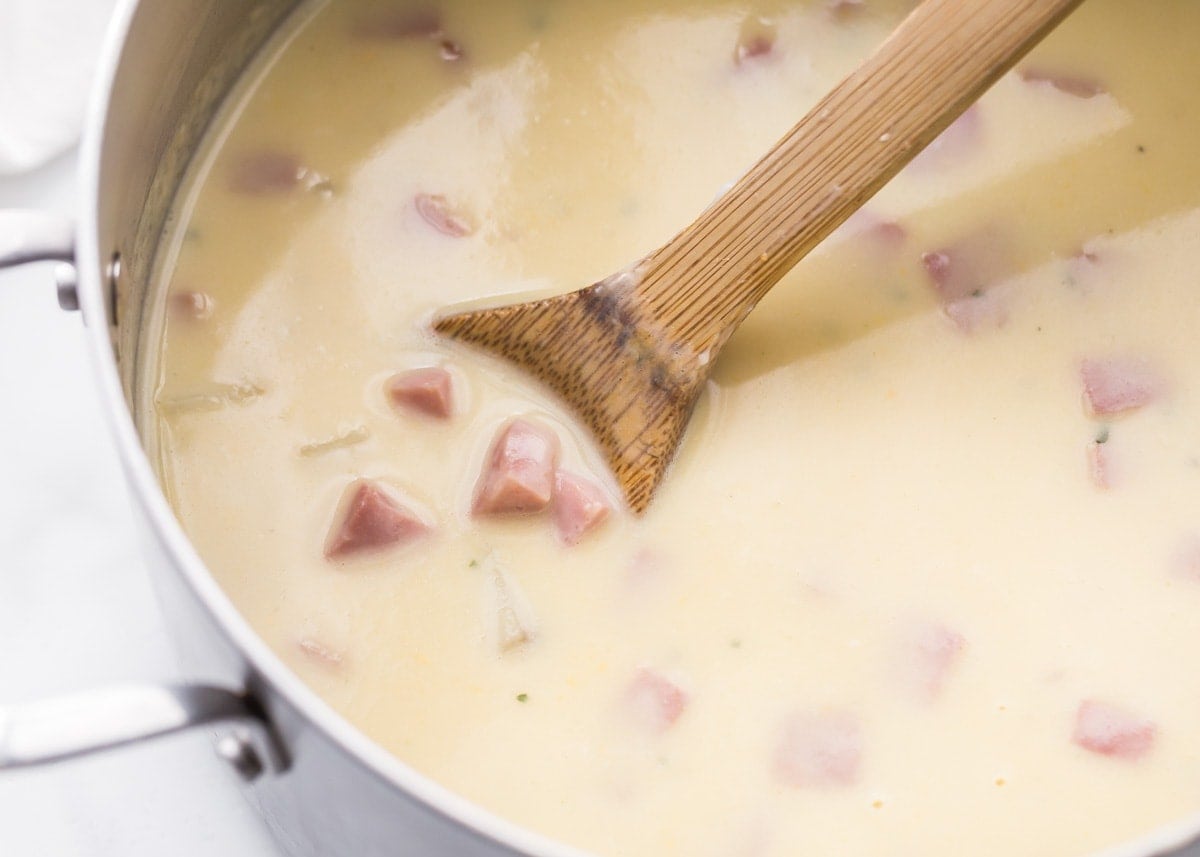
x=702, y=283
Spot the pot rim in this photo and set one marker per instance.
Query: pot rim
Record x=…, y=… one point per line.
x=279, y=677
x=188, y=564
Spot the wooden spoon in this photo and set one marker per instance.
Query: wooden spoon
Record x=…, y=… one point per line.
x=631, y=353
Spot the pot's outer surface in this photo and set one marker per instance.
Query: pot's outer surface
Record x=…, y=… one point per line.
x=168, y=65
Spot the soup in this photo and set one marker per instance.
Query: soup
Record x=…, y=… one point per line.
x=923, y=577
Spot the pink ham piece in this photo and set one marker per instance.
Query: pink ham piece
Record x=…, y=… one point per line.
x=1114, y=385
x=265, y=173
x=756, y=41
x=428, y=391
x=579, y=507
x=963, y=275
x=953, y=145
x=1080, y=87
x=874, y=230
x=401, y=24
x=819, y=750
x=845, y=10
x=932, y=650
x=518, y=473
x=436, y=210
x=1101, y=464
x=320, y=653
x=1110, y=730
x=655, y=701
x=1187, y=558
x=191, y=306
x=372, y=520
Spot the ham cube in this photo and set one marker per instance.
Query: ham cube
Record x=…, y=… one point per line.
x=1187, y=558
x=265, y=173
x=320, y=653
x=372, y=520
x=819, y=750
x=960, y=140
x=988, y=310
x=1114, y=385
x=579, y=507
x=427, y=391
x=1110, y=730
x=1100, y=464
x=931, y=651
x=191, y=306
x=518, y=473
x=756, y=41
x=401, y=24
x=964, y=275
x=655, y=701
x=846, y=10
x=437, y=211
x=1080, y=87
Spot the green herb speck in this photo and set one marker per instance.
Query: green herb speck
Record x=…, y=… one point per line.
x=473, y=564
x=522, y=697
x=735, y=643
x=1102, y=435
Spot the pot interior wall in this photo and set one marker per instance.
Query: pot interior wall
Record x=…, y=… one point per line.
x=179, y=61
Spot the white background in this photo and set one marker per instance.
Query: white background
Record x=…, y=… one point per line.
x=76, y=606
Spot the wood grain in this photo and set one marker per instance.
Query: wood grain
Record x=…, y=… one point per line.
x=632, y=353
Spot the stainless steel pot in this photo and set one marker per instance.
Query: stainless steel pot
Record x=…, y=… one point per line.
x=322, y=787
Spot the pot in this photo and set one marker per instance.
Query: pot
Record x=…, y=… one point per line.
x=322, y=787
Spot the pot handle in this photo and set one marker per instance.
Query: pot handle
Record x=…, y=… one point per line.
x=39, y=236
x=65, y=727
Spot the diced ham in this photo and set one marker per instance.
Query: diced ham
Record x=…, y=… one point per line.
x=964, y=275
x=429, y=391
x=436, y=210
x=880, y=233
x=266, y=172
x=518, y=473
x=845, y=10
x=959, y=140
x=819, y=750
x=654, y=701
x=931, y=650
x=579, y=506
x=979, y=312
x=756, y=41
x=372, y=519
x=192, y=306
x=1187, y=558
x=1114, y=385
x=1113, y=731
x=422, y=23
x=320, y=653
x=1080, y=87
x=1100, y=464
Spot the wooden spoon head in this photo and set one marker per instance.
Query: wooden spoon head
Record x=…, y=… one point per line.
x=599, y=349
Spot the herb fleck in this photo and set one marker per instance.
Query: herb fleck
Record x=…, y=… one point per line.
x=473, y=564
x=522, y=697
x=1102, y=435
x=1141, y=149
x=735, y=643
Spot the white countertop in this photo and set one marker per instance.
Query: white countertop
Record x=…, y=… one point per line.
x=76, y=606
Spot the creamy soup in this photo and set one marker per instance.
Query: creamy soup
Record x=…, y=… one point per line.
x=925, y=578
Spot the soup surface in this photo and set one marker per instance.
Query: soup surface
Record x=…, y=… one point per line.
x=925, y=578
